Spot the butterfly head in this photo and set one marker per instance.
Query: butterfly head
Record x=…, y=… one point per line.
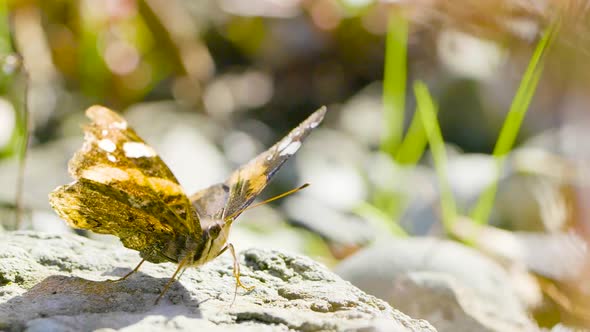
x=214, y=241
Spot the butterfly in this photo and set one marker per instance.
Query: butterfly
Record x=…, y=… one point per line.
x=123, y=188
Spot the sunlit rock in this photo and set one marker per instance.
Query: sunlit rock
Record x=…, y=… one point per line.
x=453, y=286
x=57, y=282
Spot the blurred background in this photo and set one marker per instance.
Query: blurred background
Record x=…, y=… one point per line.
x=430, y=188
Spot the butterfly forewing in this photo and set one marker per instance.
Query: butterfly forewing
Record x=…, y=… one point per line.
x=109, y=141
x=114, y=165
x=249, y=180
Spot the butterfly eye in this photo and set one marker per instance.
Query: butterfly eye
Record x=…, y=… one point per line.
x=213, y=229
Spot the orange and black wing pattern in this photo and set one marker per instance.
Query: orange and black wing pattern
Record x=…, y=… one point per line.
x=248, y=181
x=123, y=188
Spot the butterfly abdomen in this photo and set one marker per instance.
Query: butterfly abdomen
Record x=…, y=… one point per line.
x=172, y=250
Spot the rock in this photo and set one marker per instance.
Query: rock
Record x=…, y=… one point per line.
x=451, y=305
x=469, y=174
x=557, y=256
x=336, y=227
x=53, y=282
x=409, y=190
x=452, y=286
x=265, y=228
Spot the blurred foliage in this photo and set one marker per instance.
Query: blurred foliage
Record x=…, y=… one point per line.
x=394, y=82
x=9, y=71
x=427, y=112
x=518, y=109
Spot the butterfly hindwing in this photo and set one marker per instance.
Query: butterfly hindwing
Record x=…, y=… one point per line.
x=248, y=181
x=210, y=204
x=86, y=204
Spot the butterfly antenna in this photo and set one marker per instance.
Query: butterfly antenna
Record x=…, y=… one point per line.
x=287, y=193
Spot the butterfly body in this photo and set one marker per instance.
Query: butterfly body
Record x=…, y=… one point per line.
x=123, y=188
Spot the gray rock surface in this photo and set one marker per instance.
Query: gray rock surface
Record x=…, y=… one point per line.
x=558, y=256
x=52, y=282
x=452, y=286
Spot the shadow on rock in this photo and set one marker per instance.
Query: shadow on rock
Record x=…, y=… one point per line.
x=97, y=304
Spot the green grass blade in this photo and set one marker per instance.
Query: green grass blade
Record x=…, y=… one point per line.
x=412, y=147
x=379, y=219
x=513, y=122
x=5, y=41
x=427, y=111
x=394, y=82
x=522, y=99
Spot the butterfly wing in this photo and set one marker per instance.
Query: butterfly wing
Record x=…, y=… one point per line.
x=229, y=199
x=210, y=204
x=123, y=188
x=87, y=204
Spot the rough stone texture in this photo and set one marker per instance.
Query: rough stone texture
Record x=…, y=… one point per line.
x=57, y=283
x=452, y=286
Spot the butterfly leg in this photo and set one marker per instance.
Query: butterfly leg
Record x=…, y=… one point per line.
x=128, y=274
x=237, y=269
x=236, y=272
x=180, y=267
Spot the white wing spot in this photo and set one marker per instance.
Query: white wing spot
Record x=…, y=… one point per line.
x=105, y=132
x=111, y=158
x=105, y=175
x=290, y=149
x=107, y=145
x=138, y=150
x=119, y=125
x=284, y=143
